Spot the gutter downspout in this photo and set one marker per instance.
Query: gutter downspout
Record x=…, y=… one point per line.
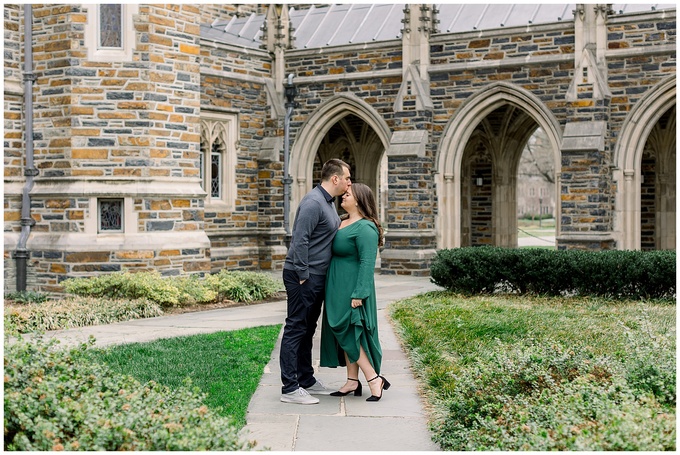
x=287, y=180
x=21, y=253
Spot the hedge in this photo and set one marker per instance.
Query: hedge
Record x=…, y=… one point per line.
x=607, y=273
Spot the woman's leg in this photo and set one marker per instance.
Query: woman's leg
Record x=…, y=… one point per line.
x=352, y=372
x=369, y=372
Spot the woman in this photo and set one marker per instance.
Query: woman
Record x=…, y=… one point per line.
x=349, y=327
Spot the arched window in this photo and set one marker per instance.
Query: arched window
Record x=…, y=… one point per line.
x=218, y=158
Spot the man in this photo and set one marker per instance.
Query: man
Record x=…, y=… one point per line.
x=304, y=275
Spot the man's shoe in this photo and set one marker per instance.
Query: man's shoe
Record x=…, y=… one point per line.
x=299, y=396
x=318, y=389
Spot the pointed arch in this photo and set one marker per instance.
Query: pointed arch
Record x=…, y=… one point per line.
x=315, y=129
x=628, y=158
x=458, y=132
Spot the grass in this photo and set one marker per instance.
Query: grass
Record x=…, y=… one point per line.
x=226, y=366
x=527, y=228
x=487, y=360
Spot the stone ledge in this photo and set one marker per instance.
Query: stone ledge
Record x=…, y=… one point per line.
x=117, y=187
x=407, y=255
x=74, y=242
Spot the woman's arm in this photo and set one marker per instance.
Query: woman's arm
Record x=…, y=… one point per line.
x=367, y=248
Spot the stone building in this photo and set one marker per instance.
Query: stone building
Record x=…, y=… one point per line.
x=155, y=135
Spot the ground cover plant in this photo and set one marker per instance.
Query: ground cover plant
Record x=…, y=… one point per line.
x=61, y=399
x=125, y=296
x=225, y=366
x=527, y=373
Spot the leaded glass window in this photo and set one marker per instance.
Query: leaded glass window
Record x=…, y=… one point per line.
x=216, y=171
x=110, y=215
x=110, y=26
x=217, y=158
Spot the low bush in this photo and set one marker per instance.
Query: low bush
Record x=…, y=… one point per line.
x=173, y=291
x=610, y=273
x=59, y=399
x=242, y=286
x=77, y=311
x=26, y=297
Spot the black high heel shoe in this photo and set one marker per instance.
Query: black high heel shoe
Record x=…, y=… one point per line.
x=385, y=385
x=357, y=391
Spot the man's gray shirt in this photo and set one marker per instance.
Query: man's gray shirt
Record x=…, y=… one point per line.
x=316, y=222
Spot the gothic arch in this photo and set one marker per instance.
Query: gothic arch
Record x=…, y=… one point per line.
x=456, y=135
x=628, y=157
x=317, y=126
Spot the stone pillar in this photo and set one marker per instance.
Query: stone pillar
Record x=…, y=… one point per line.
x=585, y=186
x=410, y=238
x=666, y=211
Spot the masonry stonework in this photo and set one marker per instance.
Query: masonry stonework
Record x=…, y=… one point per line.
x=417, y=122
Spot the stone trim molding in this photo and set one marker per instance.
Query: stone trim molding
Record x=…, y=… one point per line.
x=270, y=150
x=580, y=136
x=112, y=187
x=408, y=143
x=73, y=241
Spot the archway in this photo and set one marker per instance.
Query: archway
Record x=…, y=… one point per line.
x=646, y=149
x=344, y=127
x=500, y=119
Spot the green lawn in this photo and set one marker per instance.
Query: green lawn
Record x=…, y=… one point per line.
x=227, y=366
x=527, y=373
x=535, y=228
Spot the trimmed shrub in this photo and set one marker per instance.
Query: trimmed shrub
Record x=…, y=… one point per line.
x=61, y=400
x=610, y=273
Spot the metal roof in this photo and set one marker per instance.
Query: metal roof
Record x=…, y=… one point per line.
x=339, y=24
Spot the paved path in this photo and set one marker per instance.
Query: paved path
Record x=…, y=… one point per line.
x=397, y=422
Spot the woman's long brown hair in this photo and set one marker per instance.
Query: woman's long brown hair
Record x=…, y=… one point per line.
x=367, y=206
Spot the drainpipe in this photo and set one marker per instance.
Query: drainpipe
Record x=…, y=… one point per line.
x=290, y=91
x=21, y=254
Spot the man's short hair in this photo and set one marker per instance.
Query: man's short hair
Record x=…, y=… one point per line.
x=333, y=167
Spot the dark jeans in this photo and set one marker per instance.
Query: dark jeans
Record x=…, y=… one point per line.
x=304, y=308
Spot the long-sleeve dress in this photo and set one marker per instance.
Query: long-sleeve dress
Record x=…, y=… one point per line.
x=350, y=276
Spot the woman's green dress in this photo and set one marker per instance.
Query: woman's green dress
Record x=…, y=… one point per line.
x=350, y=276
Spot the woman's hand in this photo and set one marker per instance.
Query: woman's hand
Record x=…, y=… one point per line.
x=357, y=303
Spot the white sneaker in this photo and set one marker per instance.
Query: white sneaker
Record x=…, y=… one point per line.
x=299, y=396
x=318, y=389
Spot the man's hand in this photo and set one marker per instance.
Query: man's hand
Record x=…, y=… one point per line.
x=302, y=282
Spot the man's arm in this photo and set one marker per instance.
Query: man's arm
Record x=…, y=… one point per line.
x=307, y=219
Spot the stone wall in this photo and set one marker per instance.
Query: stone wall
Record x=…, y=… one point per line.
x=243, y=237
x=130, y=129
x=124, y=129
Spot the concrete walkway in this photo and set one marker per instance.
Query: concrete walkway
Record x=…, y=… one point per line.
x=398, y=422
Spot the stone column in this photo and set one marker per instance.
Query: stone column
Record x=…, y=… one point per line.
x=666, y=211
x=585, y=187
